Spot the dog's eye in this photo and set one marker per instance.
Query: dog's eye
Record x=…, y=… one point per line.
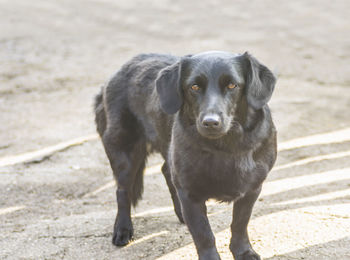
x=231, y=86
x=195, y=87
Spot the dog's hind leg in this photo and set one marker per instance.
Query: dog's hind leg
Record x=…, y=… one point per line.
x=177, y=206
x=126, y=151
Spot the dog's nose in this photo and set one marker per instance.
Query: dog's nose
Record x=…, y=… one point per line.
x=211, y=121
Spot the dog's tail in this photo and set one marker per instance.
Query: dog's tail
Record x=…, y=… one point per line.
x=137, y=189
x=100, y=115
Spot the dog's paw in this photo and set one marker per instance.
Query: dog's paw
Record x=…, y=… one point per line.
x=122, y=236
x=248, y=255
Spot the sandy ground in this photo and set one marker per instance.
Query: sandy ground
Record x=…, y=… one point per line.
x=54, y=55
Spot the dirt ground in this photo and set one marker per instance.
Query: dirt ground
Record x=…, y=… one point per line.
x=54, y=55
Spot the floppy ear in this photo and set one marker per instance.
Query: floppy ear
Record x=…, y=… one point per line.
x=260, y=82
x=169, y=89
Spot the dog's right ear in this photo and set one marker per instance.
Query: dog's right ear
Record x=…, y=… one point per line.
x=168, y=84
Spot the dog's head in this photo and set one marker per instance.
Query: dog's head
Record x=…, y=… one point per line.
x=209, y=86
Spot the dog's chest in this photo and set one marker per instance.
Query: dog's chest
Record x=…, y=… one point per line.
x=218, y=175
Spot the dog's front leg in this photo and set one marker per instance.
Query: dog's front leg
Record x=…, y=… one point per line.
x=240, y=245
x=177, y=207
x=195, y=216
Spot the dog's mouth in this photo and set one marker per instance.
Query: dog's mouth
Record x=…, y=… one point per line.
x=212, y=127
x=211, y=134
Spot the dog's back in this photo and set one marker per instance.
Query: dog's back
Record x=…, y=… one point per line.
x=131, y=92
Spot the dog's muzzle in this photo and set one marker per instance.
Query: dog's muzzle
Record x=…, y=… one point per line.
x=210, y=126
x=211, y=122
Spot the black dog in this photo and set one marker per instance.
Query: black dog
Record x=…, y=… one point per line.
x=207, y=115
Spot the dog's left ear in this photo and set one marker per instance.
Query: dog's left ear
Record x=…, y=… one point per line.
x=260, y=81
x=169, y=88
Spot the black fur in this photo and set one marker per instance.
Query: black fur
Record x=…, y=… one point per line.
x=100, y=118
x=217, y=138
